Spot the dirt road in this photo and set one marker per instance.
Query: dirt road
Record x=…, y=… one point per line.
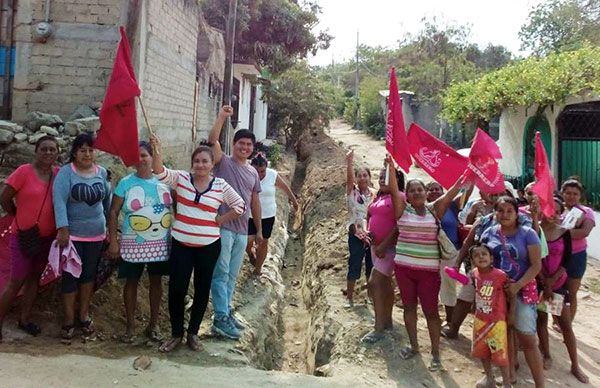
x=382, y=359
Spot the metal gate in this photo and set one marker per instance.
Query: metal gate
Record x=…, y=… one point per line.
x=579, y=147
x=7, y=56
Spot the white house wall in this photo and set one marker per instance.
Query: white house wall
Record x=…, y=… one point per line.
x=260, y=115
x=244, y=104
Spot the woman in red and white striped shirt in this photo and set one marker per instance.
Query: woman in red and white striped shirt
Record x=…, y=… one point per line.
x=196, y=240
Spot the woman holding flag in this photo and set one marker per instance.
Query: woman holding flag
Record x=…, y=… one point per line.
x=417, y=260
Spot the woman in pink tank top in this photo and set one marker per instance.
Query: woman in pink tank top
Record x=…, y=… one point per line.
x=553, y=280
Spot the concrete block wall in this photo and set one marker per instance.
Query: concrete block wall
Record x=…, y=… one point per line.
x=209, y=103
x=73, y=66
x=169, y=73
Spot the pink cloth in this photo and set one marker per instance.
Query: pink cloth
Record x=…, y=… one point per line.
x=384, y=265
x=579, y=245
x=552, y=262
x=29, y=199
x=63, y=260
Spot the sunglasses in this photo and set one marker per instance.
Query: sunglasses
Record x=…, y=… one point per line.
x=142, y=223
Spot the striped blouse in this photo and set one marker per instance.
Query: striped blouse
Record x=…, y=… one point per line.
x=417, y=246
x=195, y=223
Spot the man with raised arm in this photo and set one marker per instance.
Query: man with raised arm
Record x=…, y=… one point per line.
x=244, y=179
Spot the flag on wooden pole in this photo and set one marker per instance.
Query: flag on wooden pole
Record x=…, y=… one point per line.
x=544, y=182
x=483, y=164
x=396, y=142
x=118, y=133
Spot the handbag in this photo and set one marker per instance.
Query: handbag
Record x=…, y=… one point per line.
x=447, y=249
x=29, y=239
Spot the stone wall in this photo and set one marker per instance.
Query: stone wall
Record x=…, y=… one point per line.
x=73, y=66
x=172, y=47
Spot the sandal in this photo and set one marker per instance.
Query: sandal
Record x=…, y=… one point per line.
x=67, y=332
x=435, y=365
x=87, y=327
x=193, y=342
x=170, y=344
x=127, y=338
x=407, y=352
x=30, y=328
x=372, y=337
x=153, y=334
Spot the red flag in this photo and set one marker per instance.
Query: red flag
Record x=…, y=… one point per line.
x=544, y=182
x=437, y=158
x=483, y=164
x=396, y=142
x=118, y=133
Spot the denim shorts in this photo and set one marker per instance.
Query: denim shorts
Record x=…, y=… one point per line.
x=577, y=265
x=526, y=318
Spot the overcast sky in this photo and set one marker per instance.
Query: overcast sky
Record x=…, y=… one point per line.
x=384, y=22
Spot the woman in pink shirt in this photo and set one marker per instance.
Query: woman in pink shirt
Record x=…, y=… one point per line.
x=381, y=222
x=28, y=197
x=552, y=280
x=572, y=192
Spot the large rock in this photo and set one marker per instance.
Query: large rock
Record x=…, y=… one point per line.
x=35, y=120
x=10, y=126
x=49, y=130
x=21, y=137
x=6, y=136
x=81, y=112
x=92, y=124
x=73, y=128
x=35, y=137
x=16, y=154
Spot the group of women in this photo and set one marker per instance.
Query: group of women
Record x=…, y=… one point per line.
x=395, y=231
x=141, y=224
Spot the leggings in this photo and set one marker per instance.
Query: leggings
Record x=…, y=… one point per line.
x=184, y=260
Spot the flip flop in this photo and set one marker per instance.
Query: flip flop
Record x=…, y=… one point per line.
x=407, y=353
x=30, y=328
x=193, y=342
x=153, y=334
x=67, y=332
x=435, y=365
x=127, y=338
x=170, y=344
x=87, y=327
x=372, y=337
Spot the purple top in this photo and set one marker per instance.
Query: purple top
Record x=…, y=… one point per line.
x=244, y=180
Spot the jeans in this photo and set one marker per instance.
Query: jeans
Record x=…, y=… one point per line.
x=233, y=246
x=185, y=260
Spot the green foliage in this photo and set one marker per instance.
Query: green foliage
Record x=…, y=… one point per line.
x=371, y=112
x=299, y=100
x=275, y=154
x=560, y=25
x=540, y=81
x=271, y=33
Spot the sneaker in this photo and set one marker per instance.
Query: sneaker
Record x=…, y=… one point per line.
x=225, y=328
x=236, y=322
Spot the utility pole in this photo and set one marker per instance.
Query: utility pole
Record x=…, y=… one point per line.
x=356, y=90
x=228, y=78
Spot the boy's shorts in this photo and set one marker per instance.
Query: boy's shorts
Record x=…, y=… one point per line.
x=490, y=341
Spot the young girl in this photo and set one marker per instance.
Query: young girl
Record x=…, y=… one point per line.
x=490, y=334
x=359, y=194
x=553, y=280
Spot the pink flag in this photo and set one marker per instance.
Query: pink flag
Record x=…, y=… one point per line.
x=483, y=164
x=437, y=158
x=544, y=182
x=396, y=142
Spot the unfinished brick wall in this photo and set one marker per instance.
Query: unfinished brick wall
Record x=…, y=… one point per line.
x=73, y=66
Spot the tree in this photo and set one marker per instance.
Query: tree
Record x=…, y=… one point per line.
x=271, y=33
x=558, y=25
x=299, y=100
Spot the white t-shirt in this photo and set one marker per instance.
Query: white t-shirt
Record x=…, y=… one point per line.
x=267, y=195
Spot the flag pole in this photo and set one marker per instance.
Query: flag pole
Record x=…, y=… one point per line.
x=145, y=117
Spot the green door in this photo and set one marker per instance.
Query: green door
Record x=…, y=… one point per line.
x=533, y=125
